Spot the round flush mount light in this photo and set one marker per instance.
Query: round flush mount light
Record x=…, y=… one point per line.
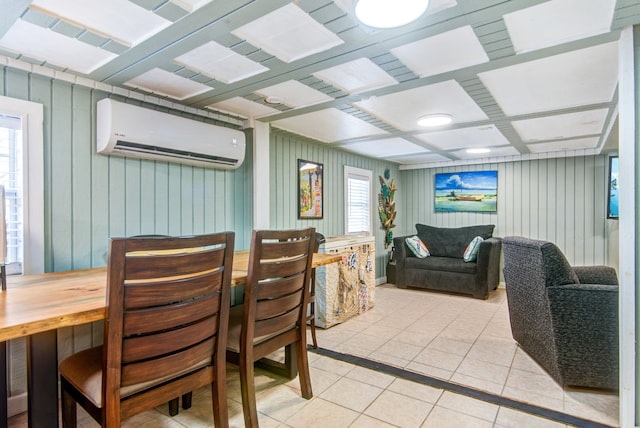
x=389, y=13
x=273, y=100
x=478, y=151
x=438, y=119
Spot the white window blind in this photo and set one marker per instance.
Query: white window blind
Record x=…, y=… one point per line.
x=358, y=200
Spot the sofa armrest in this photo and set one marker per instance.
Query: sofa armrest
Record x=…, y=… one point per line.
x=488, y=262
x=585, y=329
x=596, y=275
x=400, y=250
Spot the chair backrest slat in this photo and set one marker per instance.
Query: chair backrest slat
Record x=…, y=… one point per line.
x=142, y=266
x=280, y=287
x=168, y=365
x=158, y=293
x=282, y=267
x=153, y=345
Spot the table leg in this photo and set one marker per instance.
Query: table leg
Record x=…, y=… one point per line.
x=42, y=382
x=3, y=384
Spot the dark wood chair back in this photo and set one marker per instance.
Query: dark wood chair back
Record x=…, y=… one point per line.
x=166, y=325
x=274, y=312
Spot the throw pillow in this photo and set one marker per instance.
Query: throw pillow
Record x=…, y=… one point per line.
x=417, y=247
x=471, y=253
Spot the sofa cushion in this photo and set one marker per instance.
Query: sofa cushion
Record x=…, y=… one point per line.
x=451, y=242
x=417, y=247
x=445, y=264
x=471, y=252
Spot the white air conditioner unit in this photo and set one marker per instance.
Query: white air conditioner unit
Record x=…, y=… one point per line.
x=132, y=131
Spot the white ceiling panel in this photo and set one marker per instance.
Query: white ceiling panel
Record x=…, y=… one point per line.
x=243, y=107
x=420, y=159
x=558, y=21
x=289, y=33
x=465, y=138
x=585, y=76
x=495, y=152
x=121, y=20
x=386, y=147
x=564, y=145
x=220, y=63
x=328, y=125
x=402, y=109
x=356, y=76
x=444, y=52
x=294, y=94
x=561, y=126
x=190, y=5
x=163, y=83
x=48, y=46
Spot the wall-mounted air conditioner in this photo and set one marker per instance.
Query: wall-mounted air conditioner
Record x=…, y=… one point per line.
x=132, y=131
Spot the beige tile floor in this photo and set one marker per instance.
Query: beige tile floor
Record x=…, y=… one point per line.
x=455, y=338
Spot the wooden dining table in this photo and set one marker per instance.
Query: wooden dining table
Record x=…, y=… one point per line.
x=35, y=306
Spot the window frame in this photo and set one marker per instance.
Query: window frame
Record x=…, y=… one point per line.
x=365, y=174
x=32, y=116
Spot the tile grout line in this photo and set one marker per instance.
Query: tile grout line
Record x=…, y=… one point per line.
x=459, y=389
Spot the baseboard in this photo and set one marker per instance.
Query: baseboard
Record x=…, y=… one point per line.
x=17, y=404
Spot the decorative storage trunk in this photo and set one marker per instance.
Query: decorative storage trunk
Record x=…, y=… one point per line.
x=345, y=288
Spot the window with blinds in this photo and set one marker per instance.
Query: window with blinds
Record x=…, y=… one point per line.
x=358, y=200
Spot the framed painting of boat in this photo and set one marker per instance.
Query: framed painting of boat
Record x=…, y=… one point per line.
x=470, y=191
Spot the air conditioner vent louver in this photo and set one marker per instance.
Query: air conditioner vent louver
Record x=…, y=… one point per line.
x=173, y=153
x=132, y=131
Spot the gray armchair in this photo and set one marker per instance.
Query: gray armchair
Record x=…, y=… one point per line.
x=565, y=317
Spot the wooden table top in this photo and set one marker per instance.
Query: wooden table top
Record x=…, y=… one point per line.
x=37, y=303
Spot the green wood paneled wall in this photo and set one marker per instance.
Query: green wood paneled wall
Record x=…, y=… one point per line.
x=90, y=197
x=286, y=149
x=562, y=200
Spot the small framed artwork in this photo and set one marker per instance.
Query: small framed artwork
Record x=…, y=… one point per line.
x=612, y=200
x=310, y=190
x=474, y=191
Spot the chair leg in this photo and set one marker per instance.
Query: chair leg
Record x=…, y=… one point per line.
x=186, y=400
x=219, y=398
x=312, y=324
x=248, y=393
x=303, y=370
x=174, y=406
x=68, y=407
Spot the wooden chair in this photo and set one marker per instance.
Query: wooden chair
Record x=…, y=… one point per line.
x=311, y=313
x=274, y=312
x=165, y=334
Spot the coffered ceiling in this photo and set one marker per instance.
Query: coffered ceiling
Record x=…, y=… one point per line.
x=518, y=77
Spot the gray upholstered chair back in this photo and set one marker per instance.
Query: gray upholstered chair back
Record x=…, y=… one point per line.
x=562, y=320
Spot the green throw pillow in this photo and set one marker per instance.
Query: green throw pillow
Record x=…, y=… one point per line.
x=471, y=253
x=417, y=247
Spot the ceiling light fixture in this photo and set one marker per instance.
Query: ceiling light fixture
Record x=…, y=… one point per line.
x=389, y=13
x=274, y=100
x=437, y=119
x=478, y=151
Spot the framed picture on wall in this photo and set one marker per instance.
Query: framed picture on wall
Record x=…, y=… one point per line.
x=310, y=191
x=612, y=200
x=474, y=191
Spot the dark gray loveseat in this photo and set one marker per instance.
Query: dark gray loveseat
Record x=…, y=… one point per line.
x=445, y=269
x=565, y=317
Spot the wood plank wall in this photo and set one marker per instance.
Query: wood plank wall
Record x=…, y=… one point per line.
x=286, y=149
x=90, y=197
x=562, y=200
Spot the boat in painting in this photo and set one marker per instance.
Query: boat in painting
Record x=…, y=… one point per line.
x=466, y=197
